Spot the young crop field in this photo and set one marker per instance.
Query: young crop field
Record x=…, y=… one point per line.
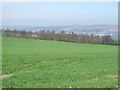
x=28, y=63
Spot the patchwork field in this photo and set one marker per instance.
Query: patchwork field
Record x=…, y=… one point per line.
x=31, y=63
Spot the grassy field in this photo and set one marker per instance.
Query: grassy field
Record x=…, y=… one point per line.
x=31, y=63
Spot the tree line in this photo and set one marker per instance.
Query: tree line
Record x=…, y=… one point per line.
x=61, y=36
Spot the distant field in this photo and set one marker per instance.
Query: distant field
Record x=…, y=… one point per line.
x=31, y=63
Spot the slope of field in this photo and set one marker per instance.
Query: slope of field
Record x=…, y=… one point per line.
x=31, y=63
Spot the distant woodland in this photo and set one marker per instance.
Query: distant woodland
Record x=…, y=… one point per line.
x=61, y=36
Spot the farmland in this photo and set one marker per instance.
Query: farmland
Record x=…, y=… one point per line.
x=29, y=63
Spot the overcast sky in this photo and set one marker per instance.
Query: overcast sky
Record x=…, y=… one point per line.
x=60, y=13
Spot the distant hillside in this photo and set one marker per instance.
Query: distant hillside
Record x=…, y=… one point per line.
x=94, y=29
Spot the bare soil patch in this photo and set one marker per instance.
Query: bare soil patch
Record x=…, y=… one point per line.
x=112, y=76
x=6, y=75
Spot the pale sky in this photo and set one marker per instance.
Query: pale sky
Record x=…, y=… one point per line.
x=60, y=13
x=59, y=0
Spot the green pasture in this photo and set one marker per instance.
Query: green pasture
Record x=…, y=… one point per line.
x=29, y=63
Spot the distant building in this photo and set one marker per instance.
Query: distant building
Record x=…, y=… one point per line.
x=103, y=34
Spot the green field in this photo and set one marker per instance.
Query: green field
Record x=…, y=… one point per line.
x=31, y=63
